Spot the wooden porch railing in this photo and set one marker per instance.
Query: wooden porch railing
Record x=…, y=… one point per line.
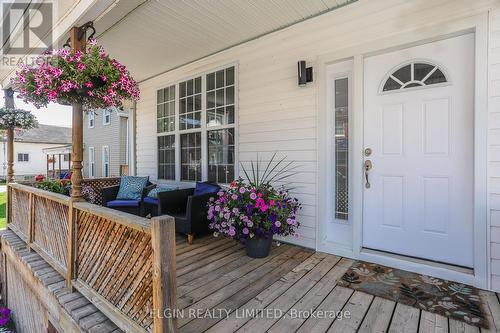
x=123, y=263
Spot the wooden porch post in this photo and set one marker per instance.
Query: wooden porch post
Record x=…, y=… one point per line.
x=77, y=122
x=9, y=103
x=164, y=274
x=59, y=162
x=54, y=166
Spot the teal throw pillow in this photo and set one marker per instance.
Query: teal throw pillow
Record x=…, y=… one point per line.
x=161, y=188
x=131, y=187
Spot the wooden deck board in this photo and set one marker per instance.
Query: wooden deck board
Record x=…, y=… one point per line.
x=292, y=295
x=238, y=299
x=357, y=306
x=432, y=323
x=215, y=274
x=378, y=317
x=405, y=319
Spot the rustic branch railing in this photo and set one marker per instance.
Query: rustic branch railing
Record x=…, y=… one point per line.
x=123, y=263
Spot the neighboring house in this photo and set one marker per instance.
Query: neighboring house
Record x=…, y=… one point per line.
x=29, y=145
x=105, y=138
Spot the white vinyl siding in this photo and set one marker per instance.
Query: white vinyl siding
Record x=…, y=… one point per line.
x=494, y=148
x=275, y=115
x=113, y=135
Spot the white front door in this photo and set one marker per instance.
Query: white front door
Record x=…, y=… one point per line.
x=418, y=124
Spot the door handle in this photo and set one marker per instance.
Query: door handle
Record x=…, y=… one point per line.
x=368, y=167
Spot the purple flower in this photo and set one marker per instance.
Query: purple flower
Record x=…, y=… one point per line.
x=242, y=190
x=245, y=231
x=232, y=232
x=4, y=316
x=253, y=196
x=277, y=224
x=234, y=197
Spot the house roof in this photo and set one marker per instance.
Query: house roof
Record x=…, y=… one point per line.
x=45, y=134
x=65, y=149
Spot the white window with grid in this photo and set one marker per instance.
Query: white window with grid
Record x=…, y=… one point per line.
x=105, y=161
x=91, y=119
x=91, y=162
x=106, y=117
x=196, y=128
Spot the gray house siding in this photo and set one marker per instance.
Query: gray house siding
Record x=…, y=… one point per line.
x=113, y=135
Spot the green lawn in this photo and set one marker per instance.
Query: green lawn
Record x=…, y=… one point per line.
x=3, y=199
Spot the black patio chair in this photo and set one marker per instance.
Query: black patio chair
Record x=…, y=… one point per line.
x=135, y=207
x=188, y=208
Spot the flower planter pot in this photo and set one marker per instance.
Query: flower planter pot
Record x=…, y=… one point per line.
x=97, y=83
x=258, y=247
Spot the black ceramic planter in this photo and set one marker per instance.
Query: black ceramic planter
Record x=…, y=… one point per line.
x=258, y=247
x=97, y=82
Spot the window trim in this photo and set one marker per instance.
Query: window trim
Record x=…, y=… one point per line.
x=431, y=62
x=203, y=128
x=104, y=148
x=91, y=159
x=91, y=119
x=104, y=122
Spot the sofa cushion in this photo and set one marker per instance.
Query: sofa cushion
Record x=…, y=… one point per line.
x=152, y=201
x=161, y=188
x=205, y=188
x=123, y=203
x=131, y=187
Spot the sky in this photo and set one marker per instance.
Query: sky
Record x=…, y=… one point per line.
x=53, y=114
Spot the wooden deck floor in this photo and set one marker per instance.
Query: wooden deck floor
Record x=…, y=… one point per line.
x=216, y=275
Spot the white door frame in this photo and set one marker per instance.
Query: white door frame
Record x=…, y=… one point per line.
x=477, y=24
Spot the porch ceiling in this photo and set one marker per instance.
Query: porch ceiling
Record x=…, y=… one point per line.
x=152, y=36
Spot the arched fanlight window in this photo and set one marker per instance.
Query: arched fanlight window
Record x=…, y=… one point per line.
x=414, y=74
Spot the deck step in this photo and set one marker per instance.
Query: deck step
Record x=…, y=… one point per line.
x=76, y=306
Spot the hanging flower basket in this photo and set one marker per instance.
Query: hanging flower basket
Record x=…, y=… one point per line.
x=65, y=77
x=17, y=118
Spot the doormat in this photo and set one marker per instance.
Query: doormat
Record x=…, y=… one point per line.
x=451, y=299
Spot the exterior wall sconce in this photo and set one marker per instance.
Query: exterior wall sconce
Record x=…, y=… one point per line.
x=305, y=75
